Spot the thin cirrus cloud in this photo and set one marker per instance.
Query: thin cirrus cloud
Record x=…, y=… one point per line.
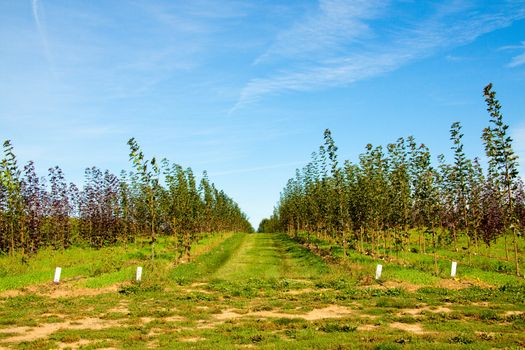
x=519, y=59
x=335, y=23
x=41, y=29
x=340, y=44
x=99, y=54
x=40, y=24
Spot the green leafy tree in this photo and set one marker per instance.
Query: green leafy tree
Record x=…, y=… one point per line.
x=14, y=221
x=503, y=164
x=149, y=181
x=460, y=175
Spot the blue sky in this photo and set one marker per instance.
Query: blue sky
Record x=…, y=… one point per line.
x=245, y=89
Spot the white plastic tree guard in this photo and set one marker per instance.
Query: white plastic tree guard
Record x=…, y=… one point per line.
x=56, y=279
x=379, y=269
x=138, y=277
x=453, y=269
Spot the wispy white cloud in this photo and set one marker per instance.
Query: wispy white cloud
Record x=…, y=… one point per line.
x=518, y=60
x=333, y=24
x=41, y=30
x=338, y=61
x=109, y=51
x=454, y=58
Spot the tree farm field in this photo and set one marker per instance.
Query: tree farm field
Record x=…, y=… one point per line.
x=259, y=290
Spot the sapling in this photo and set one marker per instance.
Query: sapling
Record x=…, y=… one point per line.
x=503, y=163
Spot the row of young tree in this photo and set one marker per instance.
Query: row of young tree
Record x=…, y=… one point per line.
x=153, y=199
x=373, y=206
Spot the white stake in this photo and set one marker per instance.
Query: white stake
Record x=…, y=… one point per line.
x=139, y=274
x=58, y=270
x=453, y=269
x=379, y=269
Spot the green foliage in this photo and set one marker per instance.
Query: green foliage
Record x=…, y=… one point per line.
x=373, y=206
x=109, y=210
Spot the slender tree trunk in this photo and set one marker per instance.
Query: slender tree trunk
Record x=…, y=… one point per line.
x=468, y=249
x=22, y=237
x=12, y=241
x=398, y=236
x=424, y=244
x=373, y=242
x=406, y=239
x=455, y=238
x=385, y=243
x=436, y=271
x=177, y=257
x=361, y=229
x=344, y=244
x=152, y=243
x=516, y=257
x=476, y=241
x=506, y=247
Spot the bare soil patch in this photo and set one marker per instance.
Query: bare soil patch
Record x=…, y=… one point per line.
x=418, y=311
x=514, y=313
x=122, y=307
x=409, y=287
x=367, y=327
x=147, y=319
x=482, y=303
x=43, y=331
x=191, y=340
x=307, y=290
x=194, y=290
x=458, y=283
x=370, y=283
x=198, y=284
x=409, y=327
x=174, y=319
x=332, y=311
x=59, y=291
x=228, y=315
x=11, y=293
x=69, y=292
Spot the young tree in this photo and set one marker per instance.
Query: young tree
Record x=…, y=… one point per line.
x=35, y=202
x=59, y=209
x=426, y=205
x=399, y=194
x=14, y=224
x=503, y=165
x=149, y=183
x=339, y=211
x=460, y=174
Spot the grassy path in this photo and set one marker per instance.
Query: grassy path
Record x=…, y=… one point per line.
x=268, y=256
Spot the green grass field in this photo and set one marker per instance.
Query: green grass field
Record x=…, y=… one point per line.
x=256, y=291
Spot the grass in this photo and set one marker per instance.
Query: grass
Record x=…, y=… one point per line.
x=92, y=268
x=255, y=290
x=208, y=263
x=486, y=266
